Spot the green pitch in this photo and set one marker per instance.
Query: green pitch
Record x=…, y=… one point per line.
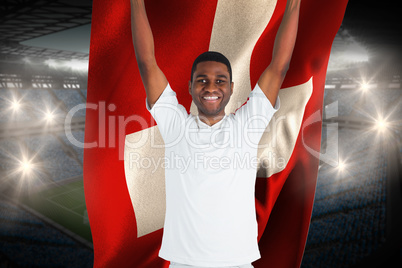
x=65, y=205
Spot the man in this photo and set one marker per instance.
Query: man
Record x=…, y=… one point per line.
x=210, y=211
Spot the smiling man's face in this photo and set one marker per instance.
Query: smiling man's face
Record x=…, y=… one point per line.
x=211, y=89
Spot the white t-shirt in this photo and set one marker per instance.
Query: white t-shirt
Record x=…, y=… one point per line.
x=210, y=174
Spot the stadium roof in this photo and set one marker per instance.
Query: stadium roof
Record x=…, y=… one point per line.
x=36, y=28
x=23, y=23
x=22, y=20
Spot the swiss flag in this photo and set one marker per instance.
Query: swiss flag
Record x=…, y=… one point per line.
x=125, y=200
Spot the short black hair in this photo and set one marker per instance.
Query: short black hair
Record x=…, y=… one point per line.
x=211, y=56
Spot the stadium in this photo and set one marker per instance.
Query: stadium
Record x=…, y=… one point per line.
x=44, y=52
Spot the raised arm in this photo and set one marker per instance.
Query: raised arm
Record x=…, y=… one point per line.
x=152, y=77
x=271, y=79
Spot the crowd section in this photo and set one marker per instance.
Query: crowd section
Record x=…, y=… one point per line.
x=71, y=98
x=349, y=215
x=58, y=160
x=51, y=158
x=36, y=104
x=76, y=140
x=365, y=101
x=27, y=241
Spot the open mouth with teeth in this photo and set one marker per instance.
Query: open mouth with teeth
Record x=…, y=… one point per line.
x=210, y=98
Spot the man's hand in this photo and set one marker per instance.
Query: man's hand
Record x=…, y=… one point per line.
x=152, y=77
x=271, y=79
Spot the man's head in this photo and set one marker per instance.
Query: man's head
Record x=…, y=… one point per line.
x=211, y=56
x=211, y=84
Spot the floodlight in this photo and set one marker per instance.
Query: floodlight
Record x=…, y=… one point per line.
x=51, y=63
x=49, y=116
x=78, y=65
x=381, y=125
x=26, y=167
x=15, y=105
x=341, y=166
x=364, y=87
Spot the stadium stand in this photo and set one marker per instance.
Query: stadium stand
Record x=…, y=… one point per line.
x=38, y=102
x=84, y=92
x=28, y=241
x=54, y=156
x=346, y=99
x=354, y=207
x=71, y=98
x=78, y=136
x=8, y=102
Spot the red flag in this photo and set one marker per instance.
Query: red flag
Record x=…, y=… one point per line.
x=125, y=219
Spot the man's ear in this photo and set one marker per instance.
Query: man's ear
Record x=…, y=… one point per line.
x=189, y=87
x=231, y=88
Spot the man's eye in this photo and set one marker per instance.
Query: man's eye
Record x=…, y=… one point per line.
x=202, y=80
x=219, y=81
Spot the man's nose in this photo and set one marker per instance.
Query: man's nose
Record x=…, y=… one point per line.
x=210, y=86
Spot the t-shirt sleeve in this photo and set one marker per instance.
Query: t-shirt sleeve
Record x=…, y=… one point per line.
x=255, y=114
x=169, y=115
